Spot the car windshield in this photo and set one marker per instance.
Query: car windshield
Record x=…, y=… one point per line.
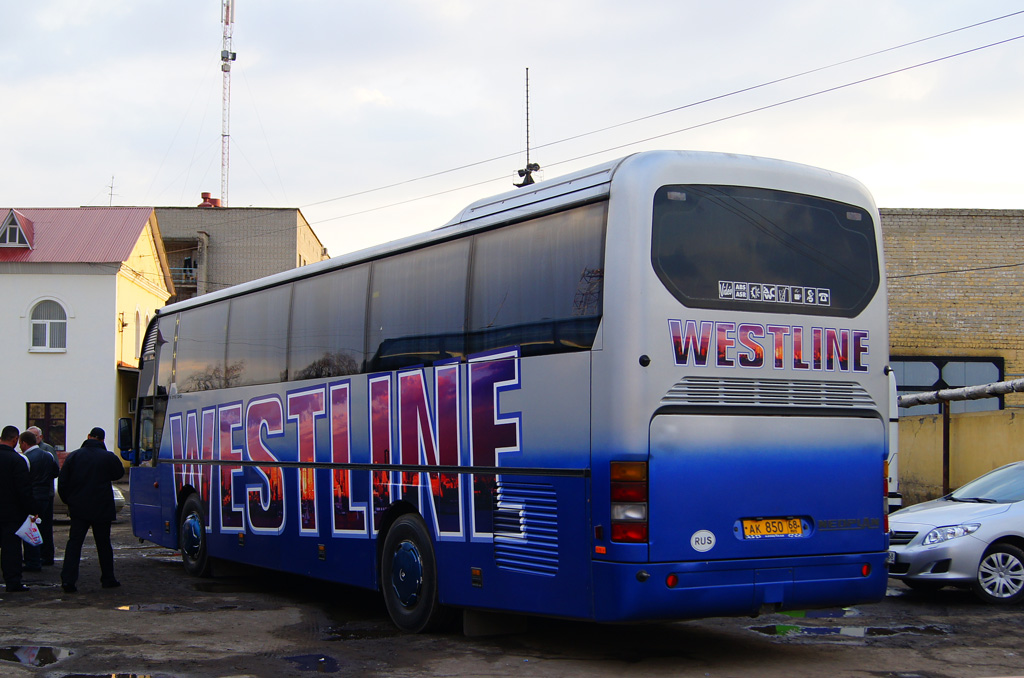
x=1003, y=485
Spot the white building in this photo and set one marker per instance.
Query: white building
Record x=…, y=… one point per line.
x=78, y=288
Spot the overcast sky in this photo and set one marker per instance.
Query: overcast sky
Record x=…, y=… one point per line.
x=331, y=98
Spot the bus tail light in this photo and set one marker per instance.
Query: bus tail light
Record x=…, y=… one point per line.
x=629, y=501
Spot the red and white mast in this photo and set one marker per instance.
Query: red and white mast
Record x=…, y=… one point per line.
x=226, y=57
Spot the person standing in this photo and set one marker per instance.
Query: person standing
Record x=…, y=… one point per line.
x=84, y=485
x=42, y=469
x=15, y=506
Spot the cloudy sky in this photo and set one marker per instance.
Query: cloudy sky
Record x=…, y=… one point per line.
x=382, y=118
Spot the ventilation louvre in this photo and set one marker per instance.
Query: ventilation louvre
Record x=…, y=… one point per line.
x=733, y=392
x=526, y=528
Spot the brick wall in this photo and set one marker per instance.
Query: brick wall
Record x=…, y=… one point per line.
x=956, y=284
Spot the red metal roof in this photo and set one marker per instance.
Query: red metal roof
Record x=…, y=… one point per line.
x=77, y=234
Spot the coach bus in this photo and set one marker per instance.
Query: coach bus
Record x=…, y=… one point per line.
x=655, y=389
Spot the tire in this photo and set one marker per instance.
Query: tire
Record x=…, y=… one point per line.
x=408, y=577
x=1000, y=577
x=923, y=586
x=192, y=538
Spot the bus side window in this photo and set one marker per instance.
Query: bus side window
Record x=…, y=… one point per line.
x=327, y=326
x=418, y=307
x=539, y=284
x=257, y=348
x=199, y=352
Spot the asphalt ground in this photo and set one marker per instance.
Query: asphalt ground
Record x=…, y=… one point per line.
x=253, y=622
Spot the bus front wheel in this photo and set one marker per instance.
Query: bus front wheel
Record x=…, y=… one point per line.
x=192, y=538
x=408, y=576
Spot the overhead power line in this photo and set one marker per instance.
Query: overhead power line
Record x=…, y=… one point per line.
x=676, y=109
x=689, y=128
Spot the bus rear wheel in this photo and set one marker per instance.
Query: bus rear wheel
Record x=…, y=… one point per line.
x=192, y=538
x=408, y=576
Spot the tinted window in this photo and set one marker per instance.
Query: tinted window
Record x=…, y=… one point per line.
x=539, y=284
x=147, y=362
x=166, y=327
x=199, y=353
x=763, y=250
x=328, y=325
x=418, y=307
x=258, y=337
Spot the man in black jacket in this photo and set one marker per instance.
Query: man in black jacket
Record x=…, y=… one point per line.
x=84, y=485
x=43, y=469
x=15, y=506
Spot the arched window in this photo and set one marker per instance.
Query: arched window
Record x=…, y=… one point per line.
x=49, y=326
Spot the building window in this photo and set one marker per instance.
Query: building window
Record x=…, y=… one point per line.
x=919, y=375
x=51, y=419
x=11, y=234
x=49, y=327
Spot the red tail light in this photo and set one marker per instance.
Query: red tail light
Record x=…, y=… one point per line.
x=629, y=502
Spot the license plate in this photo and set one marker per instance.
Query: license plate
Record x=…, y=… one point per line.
x=890, y=558
x=772, y=527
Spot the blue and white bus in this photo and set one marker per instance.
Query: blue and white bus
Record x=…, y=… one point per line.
x=655, y=389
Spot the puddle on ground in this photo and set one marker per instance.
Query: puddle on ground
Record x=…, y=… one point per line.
x=156, y=607
x=358, y=632
x=108, y=675
x=793, y=630
x=33, y=655
x=315, y=663
x=823, y=614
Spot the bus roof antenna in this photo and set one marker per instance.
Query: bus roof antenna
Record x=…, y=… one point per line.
x=527, y=174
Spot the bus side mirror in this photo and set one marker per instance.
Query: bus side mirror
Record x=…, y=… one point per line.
x=124, y=435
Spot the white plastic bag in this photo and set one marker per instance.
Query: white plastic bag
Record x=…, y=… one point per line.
x=29, y=532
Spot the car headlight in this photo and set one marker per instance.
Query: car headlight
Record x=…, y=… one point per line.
x=941, y=534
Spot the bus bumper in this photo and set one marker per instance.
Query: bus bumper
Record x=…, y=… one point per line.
x=691, y=590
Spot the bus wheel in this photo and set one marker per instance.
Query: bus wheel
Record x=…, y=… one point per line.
x=408, y=575
x=192, y=538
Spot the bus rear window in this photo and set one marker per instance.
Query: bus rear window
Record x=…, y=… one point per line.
x=756, y=249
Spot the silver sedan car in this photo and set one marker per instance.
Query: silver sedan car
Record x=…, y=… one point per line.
x=973, y=537
x=60, y=509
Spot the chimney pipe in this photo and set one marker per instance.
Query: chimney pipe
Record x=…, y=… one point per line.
x=208, y=201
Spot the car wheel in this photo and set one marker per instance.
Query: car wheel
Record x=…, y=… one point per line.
x=923, y=586
x=192, y=538
x=1000, y=576
x=408, y=576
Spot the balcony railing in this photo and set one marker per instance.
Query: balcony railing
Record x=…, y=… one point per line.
x=184, y=276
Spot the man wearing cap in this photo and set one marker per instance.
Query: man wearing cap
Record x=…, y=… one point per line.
x=84, y=485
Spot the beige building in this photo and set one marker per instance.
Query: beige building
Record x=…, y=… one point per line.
x=211, y=247
x=955, y=278
x=955, y=311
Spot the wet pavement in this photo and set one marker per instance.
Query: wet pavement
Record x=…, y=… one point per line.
x=248, y=622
